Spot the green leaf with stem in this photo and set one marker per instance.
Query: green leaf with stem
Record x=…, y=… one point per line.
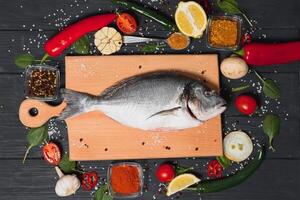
x=231, y=7
x=271, y=126
x=82, y=46
x=66, y=165
x=102, y=193
x=35, y=137
x=24, y=60
x=181, y=170
x=270, y=88
x=151, y=47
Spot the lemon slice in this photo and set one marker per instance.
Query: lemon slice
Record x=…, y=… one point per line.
x=191, y=19
x=181, y=182
x=238, y=146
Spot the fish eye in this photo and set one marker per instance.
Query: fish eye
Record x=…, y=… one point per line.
x=208, y=93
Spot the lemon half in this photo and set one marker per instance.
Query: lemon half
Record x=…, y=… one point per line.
x=181, y=182
x=191, y=19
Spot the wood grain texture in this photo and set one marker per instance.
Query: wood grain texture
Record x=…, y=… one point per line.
x=92, y=136
x=278, y=177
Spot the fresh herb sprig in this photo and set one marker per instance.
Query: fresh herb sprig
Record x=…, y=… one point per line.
x=271, y=126
x=181, y=170
x=82, y=46
x=66, y=165
x=270, y=88
x=35, y=137
x=102, y=193
x=231, y=7
x=27, y=59
x=151, y=47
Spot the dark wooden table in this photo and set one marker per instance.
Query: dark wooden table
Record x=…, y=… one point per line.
x=25, y=25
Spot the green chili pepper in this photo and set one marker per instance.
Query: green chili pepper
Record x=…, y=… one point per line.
x=155, y=15
x=231, y=181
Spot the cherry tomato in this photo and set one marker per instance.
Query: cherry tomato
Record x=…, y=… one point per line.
x=51, y=153
x=214, y=169
x=246, y=104
x=126, y=23
x=165, y=173
x=89, y=180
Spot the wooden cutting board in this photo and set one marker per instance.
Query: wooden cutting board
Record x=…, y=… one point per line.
x=94, y=136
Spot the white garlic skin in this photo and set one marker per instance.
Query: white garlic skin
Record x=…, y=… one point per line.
x=67, y=185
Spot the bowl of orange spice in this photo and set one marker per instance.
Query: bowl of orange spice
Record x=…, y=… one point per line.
x=224, y=32
x=125, y=180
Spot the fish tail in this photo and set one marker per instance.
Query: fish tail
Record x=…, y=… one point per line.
x=77, y=103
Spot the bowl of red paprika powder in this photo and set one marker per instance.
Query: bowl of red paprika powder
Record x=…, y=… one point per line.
x=125, y=180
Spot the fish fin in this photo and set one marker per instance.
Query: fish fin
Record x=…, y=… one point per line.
x=166, y=112
x=76, y=103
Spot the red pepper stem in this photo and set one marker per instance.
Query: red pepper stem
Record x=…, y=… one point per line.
x=240, y=52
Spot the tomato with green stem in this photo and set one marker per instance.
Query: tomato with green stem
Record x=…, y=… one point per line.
x=126, y=23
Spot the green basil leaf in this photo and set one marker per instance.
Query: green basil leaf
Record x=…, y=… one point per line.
x=270, y=89
x=225, y=162
x=82, y=46
x=66, y=165
x=150, y=48
x=35, y=137
x=24, y=60
x=271, y=126
x=181, y=170
x=102, y=194
x=229, y=6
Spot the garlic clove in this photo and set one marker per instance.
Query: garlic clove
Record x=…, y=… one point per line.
x=67, y=184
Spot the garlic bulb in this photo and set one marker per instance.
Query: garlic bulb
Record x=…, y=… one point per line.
x=67, y=184
x=108, y=40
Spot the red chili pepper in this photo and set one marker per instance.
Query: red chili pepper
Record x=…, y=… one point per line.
x=214, y=169
x=89, y=180
x=71, y=33
x=259, y=54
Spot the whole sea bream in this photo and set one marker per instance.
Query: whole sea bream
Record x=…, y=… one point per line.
x=160, y=101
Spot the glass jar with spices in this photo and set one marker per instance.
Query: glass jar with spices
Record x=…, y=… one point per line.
x=224, y=32
x=42, y=82
x=125, y=180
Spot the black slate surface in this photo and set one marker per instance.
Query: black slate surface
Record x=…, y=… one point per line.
x=25, y=25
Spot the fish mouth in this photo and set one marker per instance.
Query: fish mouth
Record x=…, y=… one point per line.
x=213, y=113
x=221, y=109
